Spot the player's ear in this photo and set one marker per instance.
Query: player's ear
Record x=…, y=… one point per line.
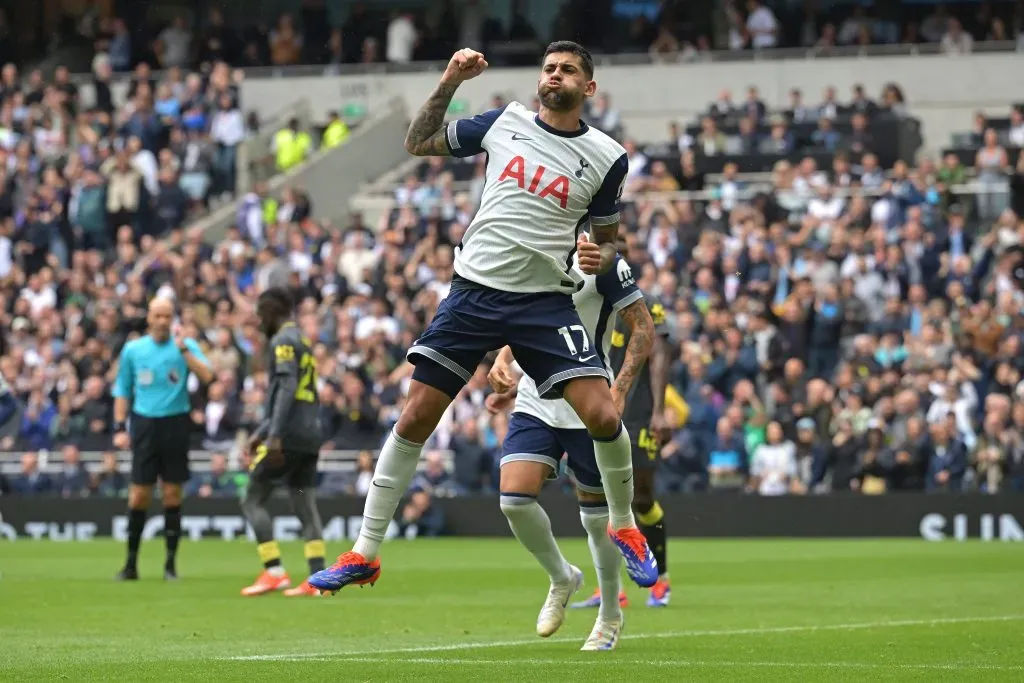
x=591, y=88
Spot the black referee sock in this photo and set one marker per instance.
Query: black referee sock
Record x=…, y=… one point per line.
x=172, y=532
x=136, y=523
x=652, y=526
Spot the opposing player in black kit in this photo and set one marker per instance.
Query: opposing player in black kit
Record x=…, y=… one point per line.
x=286, y=446
x=639, y=393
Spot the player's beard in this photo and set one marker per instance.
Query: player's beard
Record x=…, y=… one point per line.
x=561, y=99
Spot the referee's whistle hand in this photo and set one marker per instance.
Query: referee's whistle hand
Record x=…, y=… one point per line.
x=122, y=441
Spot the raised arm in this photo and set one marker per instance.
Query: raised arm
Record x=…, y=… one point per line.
x=428, y=135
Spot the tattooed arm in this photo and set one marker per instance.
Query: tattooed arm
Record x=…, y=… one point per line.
x=426, y=136
x=641, y=340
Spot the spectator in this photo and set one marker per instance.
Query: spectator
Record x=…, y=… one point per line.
x=774, y=467
x=401, y=38
x=31, y=481
x=1016, y=134
x=73, y=480
x=956, y=41
x=825, y=136
x=227, y=132
x=285, y=42
x=948, y=460
x=175, y=44
x=992, y=166
x=218, y=482
x=711, y=141
x=36, y=419
x=762, y=25
x=110, y=482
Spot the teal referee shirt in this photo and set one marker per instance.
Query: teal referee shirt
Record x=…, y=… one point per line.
x=154, y=377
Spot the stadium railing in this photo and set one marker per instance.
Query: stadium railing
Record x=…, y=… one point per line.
x=619, y=59
x=331, y=461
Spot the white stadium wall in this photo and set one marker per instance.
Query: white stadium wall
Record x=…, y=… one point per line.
x=943, y=91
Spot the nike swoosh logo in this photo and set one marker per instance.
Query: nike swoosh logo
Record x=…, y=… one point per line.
x=381, y=486
x=517, y=136
x=584, y=360
x=626, y=480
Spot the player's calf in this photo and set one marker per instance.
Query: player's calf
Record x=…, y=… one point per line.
x=651, y=520
x=172, y=527
x=139, y=498
x=522, y=477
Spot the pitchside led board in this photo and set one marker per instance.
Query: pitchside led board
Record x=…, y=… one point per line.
x=929, y=517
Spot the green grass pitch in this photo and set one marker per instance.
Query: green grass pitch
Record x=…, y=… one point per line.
x=465, y=609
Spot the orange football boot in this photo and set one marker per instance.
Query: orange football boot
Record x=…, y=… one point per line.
x=267, y=583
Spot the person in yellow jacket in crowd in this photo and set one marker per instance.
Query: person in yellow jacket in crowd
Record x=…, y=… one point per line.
x=291, y=146
x=336, y=133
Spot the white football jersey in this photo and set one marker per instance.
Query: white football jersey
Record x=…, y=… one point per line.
x=541, y=186
x=600, y=299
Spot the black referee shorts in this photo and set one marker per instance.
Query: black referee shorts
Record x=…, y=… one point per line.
x=294, y=469
x=160, y=448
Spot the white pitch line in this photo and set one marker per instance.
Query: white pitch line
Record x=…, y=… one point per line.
x=768, y=630
x=614, y=661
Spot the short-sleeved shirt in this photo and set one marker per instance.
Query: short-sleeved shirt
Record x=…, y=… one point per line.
x=541, y=188
x=154, y=377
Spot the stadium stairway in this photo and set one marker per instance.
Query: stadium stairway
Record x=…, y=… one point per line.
x=332, y=177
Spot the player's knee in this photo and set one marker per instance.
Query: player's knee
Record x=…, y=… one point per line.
x=139, y=497
x=602, y=421
x=421, y=413
x=514, y=505
x=590, y=499
x=523, y=478
x=171, y=495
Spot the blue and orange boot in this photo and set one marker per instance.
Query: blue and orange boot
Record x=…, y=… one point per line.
x=640, y=563
x=661, y=593
x=351, y=569
x=594, y=601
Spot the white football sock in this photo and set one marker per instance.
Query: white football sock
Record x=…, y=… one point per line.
x=395, y=469
x=607, y=560
x=531, y=526
x=615, y=461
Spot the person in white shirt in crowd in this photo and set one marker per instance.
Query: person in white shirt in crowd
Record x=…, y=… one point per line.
x=956, y=41
x=227, y=130
x=773, y=471
x=177, y=43
x=637, y=163
x=401, y=39
x=1016, y=135
x=762, y=26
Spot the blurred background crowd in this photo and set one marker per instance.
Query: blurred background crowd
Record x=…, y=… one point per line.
x=844, y=321
x=285, y=33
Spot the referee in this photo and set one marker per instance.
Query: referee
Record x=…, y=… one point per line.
x=152, y=380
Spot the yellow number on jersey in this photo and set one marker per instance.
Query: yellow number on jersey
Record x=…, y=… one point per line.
x=648, y=443
x=306, y=391
x=658, y=314
x=284, y=353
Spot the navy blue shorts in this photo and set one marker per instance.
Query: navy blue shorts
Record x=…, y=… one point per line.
x=543, y=330
x=529, y=439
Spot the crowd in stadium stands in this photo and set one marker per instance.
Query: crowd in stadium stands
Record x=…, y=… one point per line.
x=670, y=30
x=841, y=328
